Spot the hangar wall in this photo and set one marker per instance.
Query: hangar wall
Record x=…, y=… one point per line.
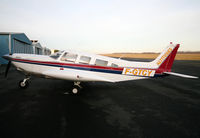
x=21, y=47
x=4, y=40
x=19, y=43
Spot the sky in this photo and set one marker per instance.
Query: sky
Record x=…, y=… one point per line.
x=105, y=26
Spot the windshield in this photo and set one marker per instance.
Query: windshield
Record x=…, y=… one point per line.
x=56, y=55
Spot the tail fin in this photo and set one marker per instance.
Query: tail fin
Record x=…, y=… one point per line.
x=165, y=60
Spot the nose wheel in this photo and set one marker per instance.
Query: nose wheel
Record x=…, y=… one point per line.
x=24, y=83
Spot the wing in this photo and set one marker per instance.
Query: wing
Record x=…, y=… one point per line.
x=78, y=75
x=74, y=75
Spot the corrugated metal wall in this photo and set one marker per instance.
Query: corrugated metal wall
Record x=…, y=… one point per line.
x=19, y=44
x=20, y=47
x=4, y=39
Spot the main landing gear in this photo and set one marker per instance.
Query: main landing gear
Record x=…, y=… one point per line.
x=24, y=83
x=76, y=88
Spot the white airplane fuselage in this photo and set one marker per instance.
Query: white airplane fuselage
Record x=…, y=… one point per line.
x=56, y=68
x=79, y=66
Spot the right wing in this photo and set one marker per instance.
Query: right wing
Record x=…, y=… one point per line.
x=74, y=75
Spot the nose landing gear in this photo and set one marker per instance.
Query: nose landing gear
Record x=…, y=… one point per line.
x=24, y=83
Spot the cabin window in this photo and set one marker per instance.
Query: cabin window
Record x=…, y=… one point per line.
x=70, y=57
x=100, y=62
x=114, y=65
x=84, y=60
x=56, y=55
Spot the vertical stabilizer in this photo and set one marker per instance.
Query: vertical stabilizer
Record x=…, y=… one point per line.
x=165, y=60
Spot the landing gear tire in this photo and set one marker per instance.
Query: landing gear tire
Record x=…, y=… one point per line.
x=75, y=90
x=23, y=84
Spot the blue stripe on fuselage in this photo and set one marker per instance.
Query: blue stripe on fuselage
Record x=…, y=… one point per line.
x=71, y=67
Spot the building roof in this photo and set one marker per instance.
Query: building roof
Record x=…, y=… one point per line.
x=18, y=36
x=8, y=33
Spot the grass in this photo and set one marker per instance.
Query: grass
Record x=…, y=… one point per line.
x=179, y=56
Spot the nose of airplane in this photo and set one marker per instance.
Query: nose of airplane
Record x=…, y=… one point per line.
x=7, y=57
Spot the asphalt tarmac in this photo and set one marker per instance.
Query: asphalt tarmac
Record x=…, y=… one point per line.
x=160, y=107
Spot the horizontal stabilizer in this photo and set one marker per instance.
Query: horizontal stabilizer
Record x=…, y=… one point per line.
x=181, y=75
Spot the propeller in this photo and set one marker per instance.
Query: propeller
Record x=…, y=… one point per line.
x=7, y=68
x=7, y=57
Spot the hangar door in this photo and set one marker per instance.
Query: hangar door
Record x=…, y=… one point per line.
x=21, y=47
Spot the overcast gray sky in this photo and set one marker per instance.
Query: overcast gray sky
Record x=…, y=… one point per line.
x=105, y=26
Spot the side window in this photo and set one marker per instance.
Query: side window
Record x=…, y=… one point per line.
x=84, y=60
x=114, y=65
x=70, y=57
x=100, y=62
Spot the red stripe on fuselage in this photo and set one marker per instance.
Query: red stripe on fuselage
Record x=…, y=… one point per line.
x=82, y=65
x=69, y=64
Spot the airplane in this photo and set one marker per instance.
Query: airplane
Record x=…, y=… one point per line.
x=79, y=67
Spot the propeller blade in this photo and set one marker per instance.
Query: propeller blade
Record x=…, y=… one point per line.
x=7, y=68
x=7, y=57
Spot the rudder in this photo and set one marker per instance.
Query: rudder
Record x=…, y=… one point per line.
x=165, y=60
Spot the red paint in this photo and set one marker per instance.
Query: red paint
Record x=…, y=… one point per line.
x=167, y=64
x=71, y=64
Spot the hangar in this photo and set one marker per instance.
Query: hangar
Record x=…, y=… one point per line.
x=37, y=48
x=19, y=43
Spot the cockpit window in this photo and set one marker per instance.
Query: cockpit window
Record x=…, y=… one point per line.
x=56, y=55
x=70, y=57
